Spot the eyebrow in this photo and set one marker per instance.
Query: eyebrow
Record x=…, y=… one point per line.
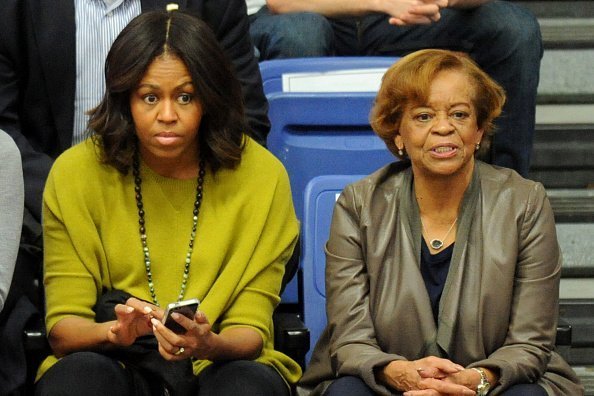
x=468, y=104
x=154, y=86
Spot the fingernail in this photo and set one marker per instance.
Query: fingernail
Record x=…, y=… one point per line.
x=154, y=322
x=148, y=309
x=175, y=315
x=129, y=309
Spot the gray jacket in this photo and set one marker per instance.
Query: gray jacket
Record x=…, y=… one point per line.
x=499, y=304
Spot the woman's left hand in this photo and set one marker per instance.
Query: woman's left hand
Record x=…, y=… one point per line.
x=198, y=341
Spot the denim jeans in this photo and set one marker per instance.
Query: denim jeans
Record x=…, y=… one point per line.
x=502, y=37
x=295, y=35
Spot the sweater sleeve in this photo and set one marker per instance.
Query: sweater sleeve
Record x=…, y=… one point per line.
x=72, y=247
x=276, y=238
x=526, y=352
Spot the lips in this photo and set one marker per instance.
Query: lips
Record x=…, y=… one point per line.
x=444, y=151
x=167, y=134
x=167, y=138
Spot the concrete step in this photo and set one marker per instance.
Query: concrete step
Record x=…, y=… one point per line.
x=562, y=155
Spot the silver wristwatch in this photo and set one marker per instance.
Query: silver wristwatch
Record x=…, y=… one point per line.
x=483, y=387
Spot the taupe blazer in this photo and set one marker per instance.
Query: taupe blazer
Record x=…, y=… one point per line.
x=499, y=304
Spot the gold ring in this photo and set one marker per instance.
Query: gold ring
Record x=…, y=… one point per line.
x=179, y=351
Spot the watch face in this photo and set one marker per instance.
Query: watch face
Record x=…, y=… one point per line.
x=483, y=389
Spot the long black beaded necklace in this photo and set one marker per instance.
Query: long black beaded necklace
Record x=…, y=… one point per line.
x=142, y=229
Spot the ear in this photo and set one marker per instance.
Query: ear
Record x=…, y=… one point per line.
x=479, y=133
x=398, y=142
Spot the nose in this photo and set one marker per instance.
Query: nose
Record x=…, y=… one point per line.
x=167, y=112
x=443, y=124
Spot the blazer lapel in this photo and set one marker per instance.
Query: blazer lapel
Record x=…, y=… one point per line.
x=411, y=230
x=55, y=35
x=451, y=297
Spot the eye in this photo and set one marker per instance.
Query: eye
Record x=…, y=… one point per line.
x=423, y=117
x=150, y=99
x=460, y=115
x=184, y=98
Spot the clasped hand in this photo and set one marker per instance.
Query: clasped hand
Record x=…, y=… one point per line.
x=138, y=318
x=430, y=376
x=413, y=12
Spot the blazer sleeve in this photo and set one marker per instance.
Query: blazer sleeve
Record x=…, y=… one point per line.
x=230, y=23
x=354, y=349
x=526, y=352
x=36, y=165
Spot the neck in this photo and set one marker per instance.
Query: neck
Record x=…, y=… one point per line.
x=439, y=197
x=179, y=167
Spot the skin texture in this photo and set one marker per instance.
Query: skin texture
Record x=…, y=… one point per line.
x=167, y=117
x=440, y=136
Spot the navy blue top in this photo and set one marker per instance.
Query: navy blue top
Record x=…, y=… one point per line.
x=434, y=268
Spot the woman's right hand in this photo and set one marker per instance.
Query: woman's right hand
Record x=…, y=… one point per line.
x=423, y=374
x=132, y=321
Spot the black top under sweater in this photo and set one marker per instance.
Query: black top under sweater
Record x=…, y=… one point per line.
x=434, y=268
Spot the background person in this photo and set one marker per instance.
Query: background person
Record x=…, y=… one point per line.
x=169, y=200
x=442, y=272
x=11, y=210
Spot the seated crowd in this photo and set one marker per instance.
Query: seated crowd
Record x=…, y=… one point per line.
x=144, y=167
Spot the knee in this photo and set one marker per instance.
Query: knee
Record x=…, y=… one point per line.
x=513, y=26
x=304, y=33
x=241, y=377
x=81, y=373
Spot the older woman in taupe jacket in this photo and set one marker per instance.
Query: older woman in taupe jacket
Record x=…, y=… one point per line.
x=442, y=271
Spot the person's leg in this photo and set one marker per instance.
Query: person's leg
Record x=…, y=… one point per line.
x=241, y=377
x=86, y=373
x=295, y=35
x=525, y=390
x=502, y=37
x=349, y=385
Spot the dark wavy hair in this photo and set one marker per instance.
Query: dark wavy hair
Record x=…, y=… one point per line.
x=145, y=38
x=409, y=80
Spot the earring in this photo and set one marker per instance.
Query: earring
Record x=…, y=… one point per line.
x=477, y=146
x=401, y=152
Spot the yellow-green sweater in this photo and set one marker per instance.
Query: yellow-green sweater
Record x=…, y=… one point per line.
x=247, y=230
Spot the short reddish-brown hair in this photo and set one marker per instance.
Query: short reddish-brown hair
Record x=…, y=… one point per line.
x=409, y=80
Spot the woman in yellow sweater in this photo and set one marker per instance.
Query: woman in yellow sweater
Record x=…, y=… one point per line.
x=167, y=201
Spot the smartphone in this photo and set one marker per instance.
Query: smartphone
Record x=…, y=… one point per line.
x=187, y=308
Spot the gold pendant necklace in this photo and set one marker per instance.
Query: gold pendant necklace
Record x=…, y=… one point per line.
x=437, y=244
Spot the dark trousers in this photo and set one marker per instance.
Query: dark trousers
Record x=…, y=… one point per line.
x=355, y=386
x=93, y=374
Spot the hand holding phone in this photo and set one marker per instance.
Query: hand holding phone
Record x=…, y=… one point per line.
x=187, y=308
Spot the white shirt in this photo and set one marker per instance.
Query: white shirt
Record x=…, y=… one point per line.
x=254, y=5
x=98, y=23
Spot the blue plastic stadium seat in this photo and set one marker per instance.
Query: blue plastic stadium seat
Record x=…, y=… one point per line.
x=321, y=133
x=320, y=196
x=273, y=70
